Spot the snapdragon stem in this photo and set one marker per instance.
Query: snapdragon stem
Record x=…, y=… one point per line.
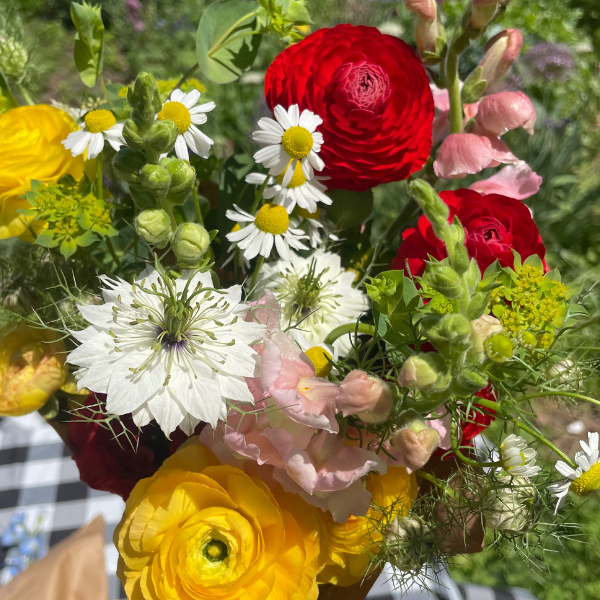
x=455, y=117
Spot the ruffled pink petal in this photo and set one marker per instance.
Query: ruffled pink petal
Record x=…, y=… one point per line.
x=265, y=311
x=463, y=154
x=515, y=181
x=423, y=8
x=500, y=152
x=504, y=111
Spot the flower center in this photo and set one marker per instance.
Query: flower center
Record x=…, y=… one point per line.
x=98, y=121
x=272, y=218
x=298, y=178
x=297, y=142
x=302, y=212
x=175, y=111
x=320, y=359
x=588, y=481
x=362, y=87
x=215, y=551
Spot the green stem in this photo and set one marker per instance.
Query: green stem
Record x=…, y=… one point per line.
x=197, y=205
x=568, y=394
x=168, y=208
x=461, y=456
x=113, y=253
x=440, y=484
x=455, y=118
x=217, y=45
x=105, y=92
x=349, y=328
x=258, y=195
x=186, y=76
x=259, y=264
x=25, y=94
x=99, y=176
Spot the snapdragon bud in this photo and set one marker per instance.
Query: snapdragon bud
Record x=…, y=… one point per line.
x=435, y=209
x=127, y=164
x=368, y=397
x=500, y=53
x=467, y=382
x=132, y=135
x=144, y=98
x=408, y=544
x=420, y=371
x=162, y=135
x=481, y=329
x=450, y=333
x=416, y=442
x=480, y=15
x=154, y=227
x=499, y=348
x=430, y=38
x=183, y=177
x=443, y=279
x=190, y=243
x=155, y=179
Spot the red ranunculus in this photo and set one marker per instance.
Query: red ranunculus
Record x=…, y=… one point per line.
x=494, y=226
x=479, y=418
x=373, y=95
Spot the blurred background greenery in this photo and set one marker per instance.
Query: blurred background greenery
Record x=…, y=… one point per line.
x=559, y=69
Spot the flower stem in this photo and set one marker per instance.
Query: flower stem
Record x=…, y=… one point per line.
x=455, y=118
x=25, y=94
x=568, y=394
x=349, y=328
x=105, y=92
x=113, y=253
x=259, y=264
x=185, y=76
x=440, y=484
x=99, y=176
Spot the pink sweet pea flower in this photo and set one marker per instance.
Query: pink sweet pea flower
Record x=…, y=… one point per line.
x=504, y=111
x=515, y=181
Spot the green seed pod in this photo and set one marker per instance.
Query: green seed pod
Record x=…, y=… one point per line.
x=443, y=279
x=499, y=348
x=162, y=135
x=127, y=164
x=183, y=177
x=191, y=242
x=154, y=226
x=155, y=179
x=13, y=56
x=144, y=98
x=132, y=135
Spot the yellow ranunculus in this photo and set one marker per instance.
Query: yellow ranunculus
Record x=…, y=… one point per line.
x=30, y=148
x=199, y=530
x=32, y=368
x=351, y=544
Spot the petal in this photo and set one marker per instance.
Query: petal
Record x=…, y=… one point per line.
x=515, y=181
x=282, y=117
x=181, y=149
x=462, y=154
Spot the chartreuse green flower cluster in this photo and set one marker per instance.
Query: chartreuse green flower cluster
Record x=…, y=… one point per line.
x=156, y=181
x=74, y=216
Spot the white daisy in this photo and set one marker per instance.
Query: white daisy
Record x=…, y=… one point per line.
x=585, y=478
x=98, y=126
x=302, y=192
x=517, y=459
x=167, y=349
x=187, y=113
x=271, y=226
x=292, y=137
x=315, y=227
x=316, y=296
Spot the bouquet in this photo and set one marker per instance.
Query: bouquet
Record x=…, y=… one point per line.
x=286, y=384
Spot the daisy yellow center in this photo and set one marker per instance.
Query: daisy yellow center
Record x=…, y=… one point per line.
x=98, y=121
x=215, y=551
x=298, y=178
x=302, y=212
x=177, y=112
x=297, y=142
x=588, y=481
x=320, y=358
x=236, y=227
x=272, y=218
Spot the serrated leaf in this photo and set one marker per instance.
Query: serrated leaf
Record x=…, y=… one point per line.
x=89, y=41
x=227, y=39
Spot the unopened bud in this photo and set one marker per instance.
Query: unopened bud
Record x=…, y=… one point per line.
x=500, y=53
x=481, y=329
x=13, y=56
x=162, y=135
x=499, y=348
x=144, y=98
x=191, y=242
x=416, y=442
x=478, y=305
x=368, y=397
x=408, y=544
x=154, y=227
x=513, y=510
x=132, y=135
x=443, y=279
x=427, y=9
x=468, y=382
x=435, y=209
x=420, y=371
x=430, y=38
x=527, y=339
x=565, y=372
x=183, y=177
x=481, y=14
x=155, y=179
x=127, y=164
x=451, y=332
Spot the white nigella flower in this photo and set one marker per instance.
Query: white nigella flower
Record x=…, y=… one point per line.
x=185, y=111
x=98, y=126
x=316, y=296
x=302, y=192
x=167, y=349
x=517, y=459
x=271, y=226
x=292, y=137
x=585, y=478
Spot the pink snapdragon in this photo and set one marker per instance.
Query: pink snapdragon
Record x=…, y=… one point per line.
x=515, y=181
x=368, y=397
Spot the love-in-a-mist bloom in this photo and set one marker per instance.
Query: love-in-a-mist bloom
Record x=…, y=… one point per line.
x=98, y=126
x=270, y=227
x=290, y=139
x=302, y=192
x=517, y=459
x=316, y=296
x=185, y=111
x=585, y=478
x=167, y=349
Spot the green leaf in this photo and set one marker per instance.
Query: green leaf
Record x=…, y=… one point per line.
x=349, y=209
x=227, y=39
x=89, y=41
x=47, y=239
x=85, y=239
x=298, y=13
x=68, y=247
x=386, y=291
x=7, y=100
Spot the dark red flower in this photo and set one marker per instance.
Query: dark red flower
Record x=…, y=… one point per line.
x=479, y=417
x=373, y=95
x=494, y=226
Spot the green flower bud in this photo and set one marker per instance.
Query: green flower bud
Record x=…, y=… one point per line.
x=473, y=274
x=461, y=259
x=443, y=279
x=473, y=87
x=478, y=305
x=155, y=179
x=468, y=382
x=183, y=177
x=481, y=329
x=162, y=136
x=127, y=164
x=435, y=209
x=13, y=56
x=144, y=98
x=420, y=371
x=154, y=226
x=132, y=135
x=191, y=242
x=499, y=348
x=449, y=332
x=478, y=17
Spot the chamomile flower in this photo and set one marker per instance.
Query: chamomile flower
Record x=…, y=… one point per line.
x=291, y=139
x=185, y=111
x=517, y=459
x=585, y=478
x=271, y=226
x=315, y=227
x=300, y=191
x=167, y=349
x=98, y=126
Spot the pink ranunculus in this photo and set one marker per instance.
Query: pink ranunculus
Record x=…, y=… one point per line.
x=368, y=397
x=265, y=311
x=504, y=111
x=515, y=181
x=288, y=376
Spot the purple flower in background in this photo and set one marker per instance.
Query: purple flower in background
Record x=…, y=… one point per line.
x=134, y=14
x=551, y=62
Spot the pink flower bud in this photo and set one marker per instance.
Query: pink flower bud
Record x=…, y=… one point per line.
x=482, y=12
x=416, y=442
x=417, y=372
x=481, y=330
x=500, y=53
x=504, y=111
x=365, y=396
x=424, y=8
x=426, y=34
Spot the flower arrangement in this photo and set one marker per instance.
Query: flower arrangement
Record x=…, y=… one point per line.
x=286, y=399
